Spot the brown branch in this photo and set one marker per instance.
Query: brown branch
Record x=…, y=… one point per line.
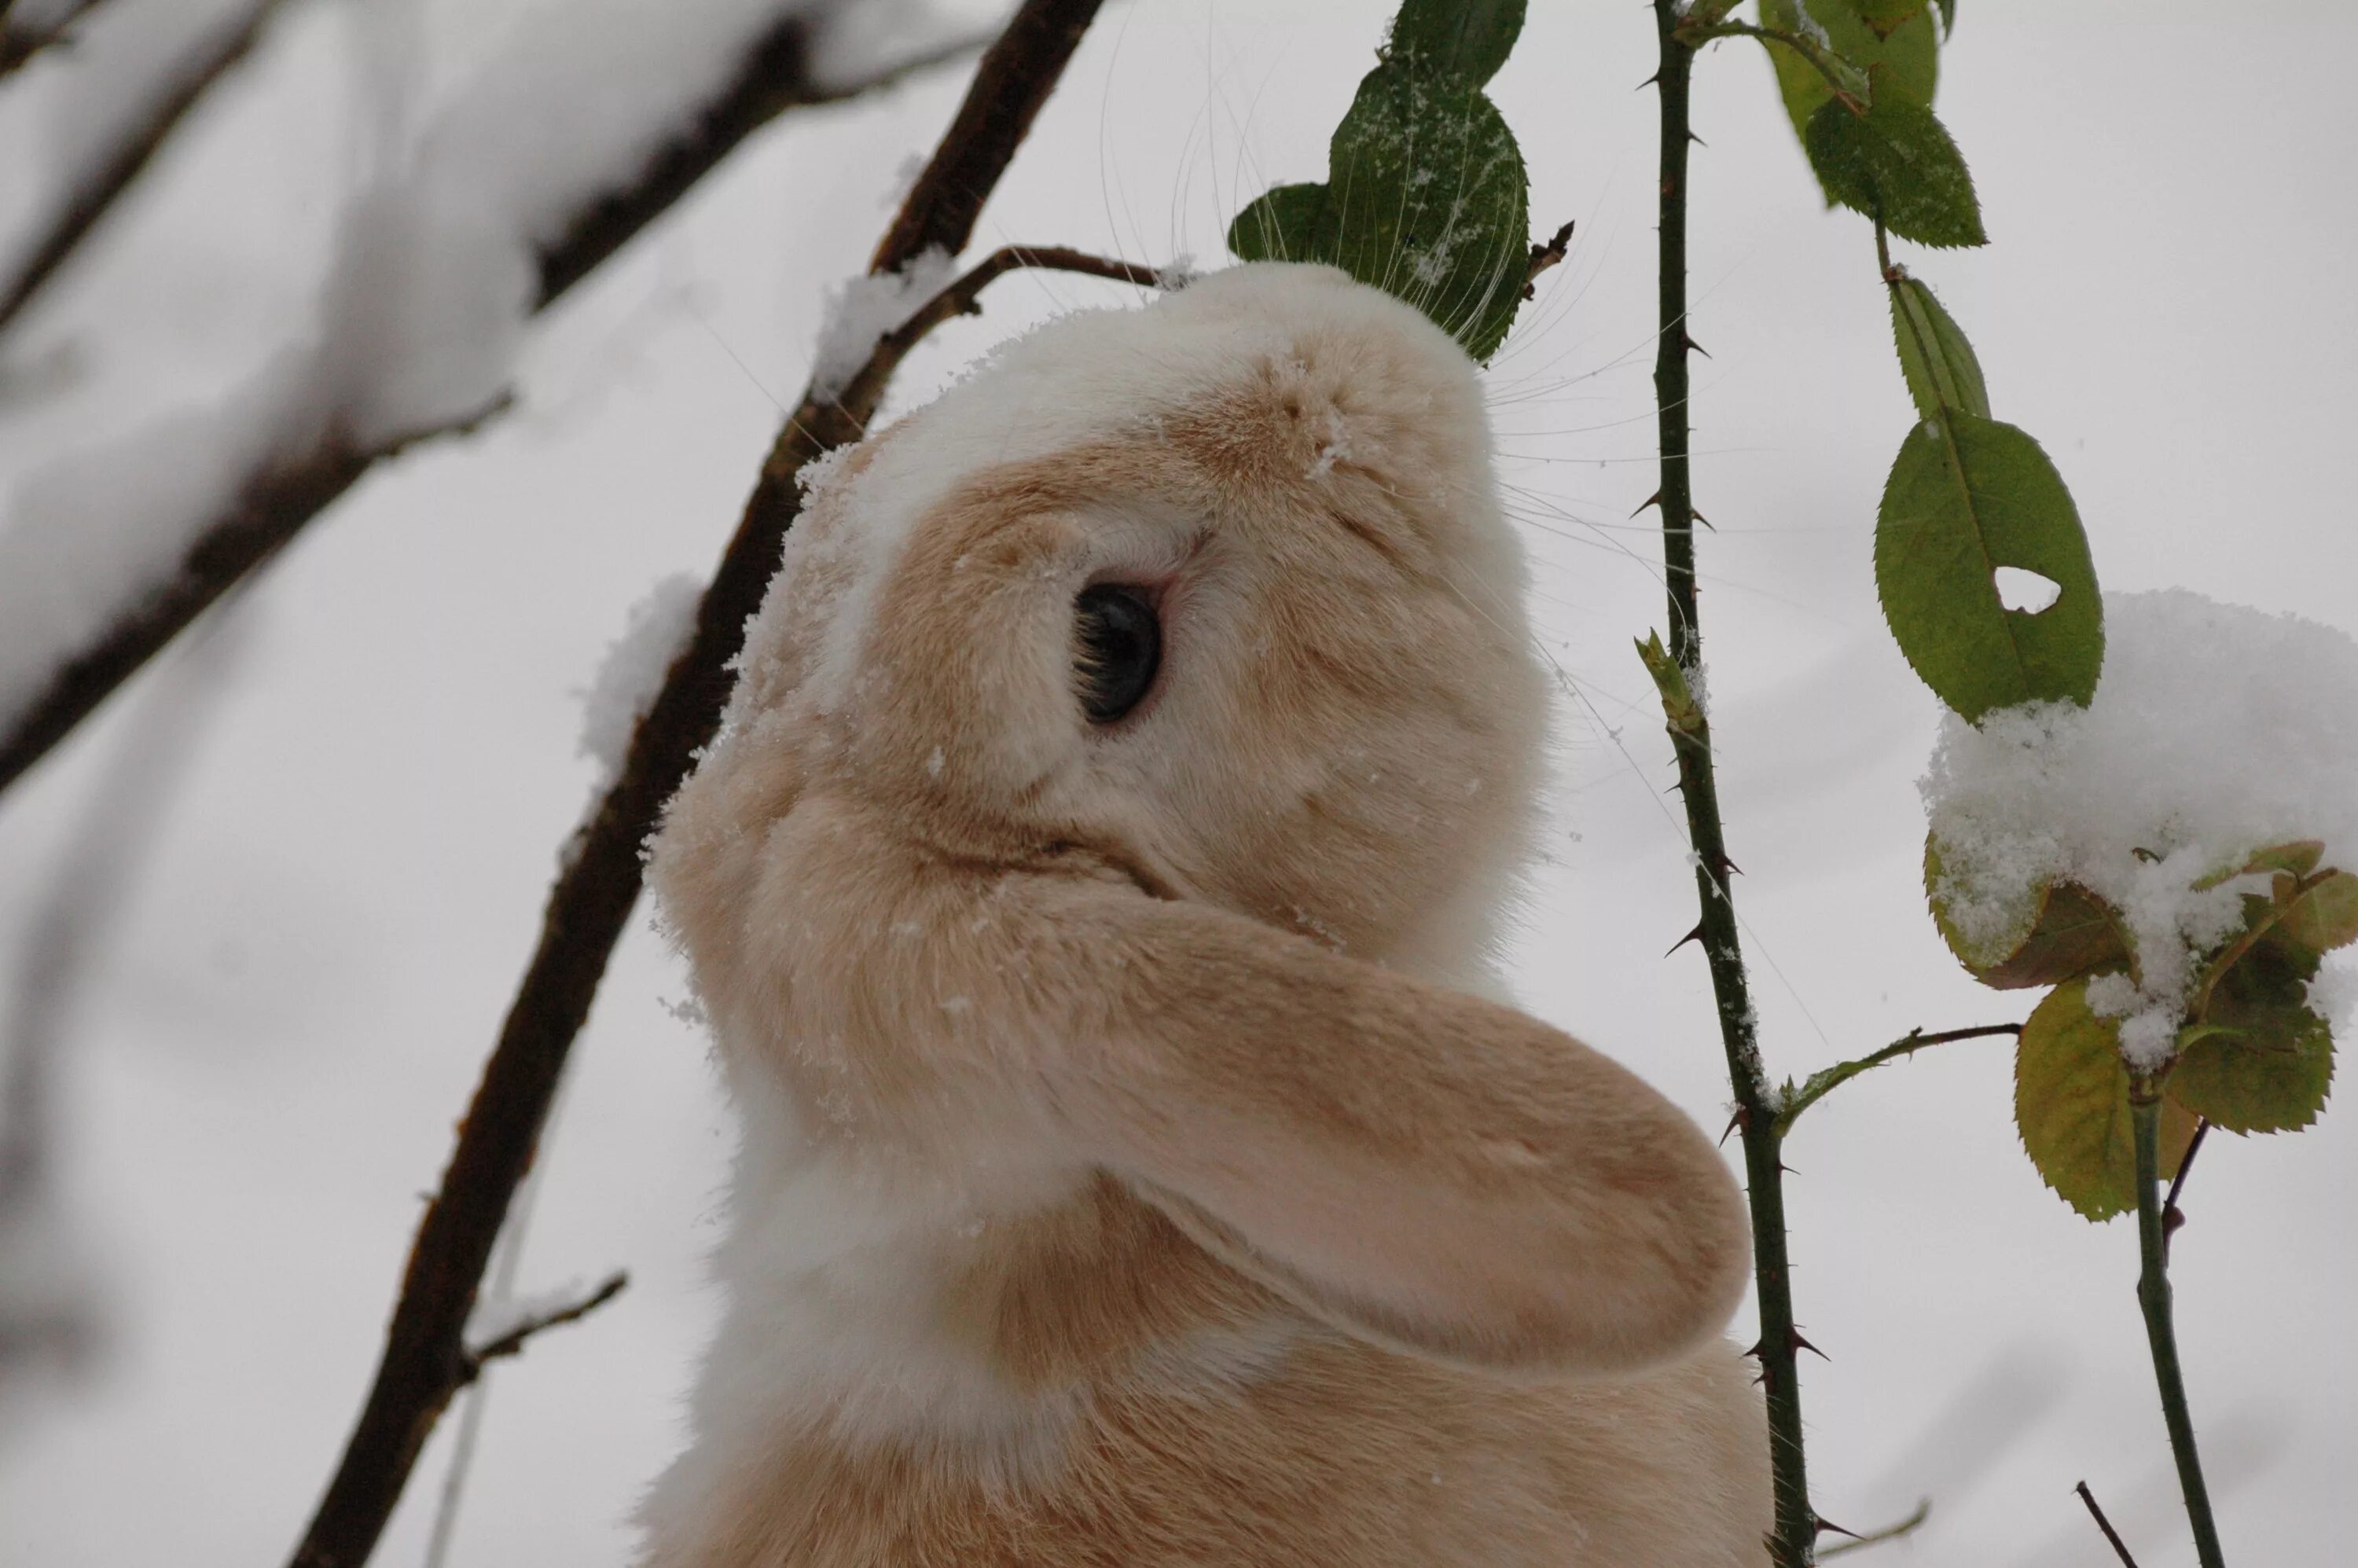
x=774, y=77
x=472, y=1361
x=275, y=503
x=2119, y=1546
x=206, y=64
x=19, y=43
x=1542, y=257
x=591, y=901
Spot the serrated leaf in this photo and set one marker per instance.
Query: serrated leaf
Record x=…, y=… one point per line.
x=1939, y=364
x=1908, y=62
x=1896, y=163
x=2272, y=1069
x=1468, y=39
x=1968, y=495
x=2071, y=1107
x=2324, y=915
x=1427, y=200
x=1281, y=225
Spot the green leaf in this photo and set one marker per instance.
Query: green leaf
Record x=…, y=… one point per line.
x=2299, y=858
x=1908, y=62
x=2271, y=1070
x=1939, y=364
x=1427, y=200
x=1897, y=164
x=1468, y=39
x=2324, y=915
x=1282, y=225
x=2073, y=933
x=2071, y=1107
x=1949, y=18
x=1968, y=495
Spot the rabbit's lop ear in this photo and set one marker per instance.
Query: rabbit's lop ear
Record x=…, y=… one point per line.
x=1416, y=1165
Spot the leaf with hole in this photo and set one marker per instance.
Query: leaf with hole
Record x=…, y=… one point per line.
x=1895, y=163
x=1966, y=496
x=2071, y=1107
x=1939, y=364
x=1906, y=62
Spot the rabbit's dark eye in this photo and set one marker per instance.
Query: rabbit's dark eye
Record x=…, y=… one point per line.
x=1121, y=647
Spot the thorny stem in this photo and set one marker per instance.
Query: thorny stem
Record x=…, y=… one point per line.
x=1793, y=1542
x=2161, y=1332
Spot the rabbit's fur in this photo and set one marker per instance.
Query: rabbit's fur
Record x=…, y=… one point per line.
x=1130, y=1175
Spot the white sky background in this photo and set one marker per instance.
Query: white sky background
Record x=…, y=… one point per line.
x=272, y=1050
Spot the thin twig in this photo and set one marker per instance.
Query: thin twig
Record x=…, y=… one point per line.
x=2172, y=1217
x=2161, y=1330
x=1545, y=256
x=2119, y=1546
x=512, y=1341
x=1793, y=1540
x=1827, y=64
x=1905, y=1527
x=207, y=63
x=1826, y=1080
x=280, y=498
x=599, y=883
x=19, y=43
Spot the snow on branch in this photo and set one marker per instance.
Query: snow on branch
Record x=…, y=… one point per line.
x=599, y=879
x=492, y=1334
x=485, y=218
x=31, y=25
x=164, y=91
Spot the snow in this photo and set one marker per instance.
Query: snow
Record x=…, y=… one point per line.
x=861, y=310
x=2216, y=731
x=424, y=304
x=496, y=1316
x=96, y=530
x=633, y=669
x=2019, y=588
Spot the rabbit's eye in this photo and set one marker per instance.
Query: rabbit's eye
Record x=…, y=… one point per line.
x=1120, y=649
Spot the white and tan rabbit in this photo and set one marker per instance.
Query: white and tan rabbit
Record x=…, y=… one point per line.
x=1088, y=893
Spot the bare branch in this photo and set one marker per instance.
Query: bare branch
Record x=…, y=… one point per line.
x=2120, y=1547
x=513, y=1342
x=775, y=77
x=207, y=63
x=19, y=43
x=279, y=499
x=593, y=895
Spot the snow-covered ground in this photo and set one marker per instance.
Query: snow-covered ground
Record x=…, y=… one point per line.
x=270, y=1050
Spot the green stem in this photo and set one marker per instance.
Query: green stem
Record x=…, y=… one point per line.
x=2153, y=1296
x=1825, y=1082
x=1794, y=1542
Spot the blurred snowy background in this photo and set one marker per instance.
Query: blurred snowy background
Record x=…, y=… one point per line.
x=330, y=823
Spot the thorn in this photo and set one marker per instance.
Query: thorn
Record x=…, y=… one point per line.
x=1742, y=1117
x=1653, y=499
x=1699, y=517
x=1697, y=140
x=1727, y=867
x=1691, y=343
x=1754, y=1350
x=1801, y=1343
x=1647, y=82
x=1826, y=1526
x=1694, y=935
x=1765, y=1379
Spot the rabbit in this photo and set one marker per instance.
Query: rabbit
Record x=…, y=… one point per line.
x=1092, y=894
